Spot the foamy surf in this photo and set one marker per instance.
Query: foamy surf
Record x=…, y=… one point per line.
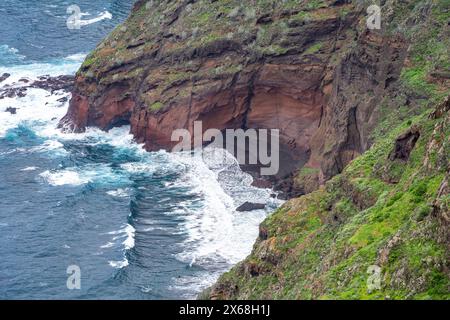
x=217, y=235
x=213, y=235
x=29, y=169
x=218, y=230
x=126, y=235
x=119, y=264
x=64, y=177
x=120, y=193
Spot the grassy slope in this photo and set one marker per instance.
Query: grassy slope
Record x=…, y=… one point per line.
x=320, y=246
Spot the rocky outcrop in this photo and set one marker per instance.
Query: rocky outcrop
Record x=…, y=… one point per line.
x=11, y=110
x=4, y=76
x=46, y=82
x=325, y=245
x=298, y=67
x=404, y=145
x=250, y=206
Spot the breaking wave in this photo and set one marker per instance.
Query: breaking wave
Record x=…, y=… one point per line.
x=164, y=222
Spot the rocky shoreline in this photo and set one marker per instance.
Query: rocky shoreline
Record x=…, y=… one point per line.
x=45, y=82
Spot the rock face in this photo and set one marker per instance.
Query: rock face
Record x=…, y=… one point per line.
x=300, y=67
x=404, y=145
x=11, y=110
x=324, y=245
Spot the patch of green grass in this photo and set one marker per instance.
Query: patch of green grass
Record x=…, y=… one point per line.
x=302, y=16
x=315, y=4
x=306, y=171
x=203, y=18
x=416, y=79
x=314, y=48
x=156, y=106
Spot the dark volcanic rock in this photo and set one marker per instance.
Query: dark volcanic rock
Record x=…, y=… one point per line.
x=47, y=83
x=54, y=83
x=63, y=99
x=262, y=183
x=12, y=92
x=11, y=110
x=4, y=76
x=250, y=206
x=404, y=145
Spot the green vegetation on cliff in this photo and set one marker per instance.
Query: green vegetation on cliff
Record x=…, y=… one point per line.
x=389, y=209
x=385, y=219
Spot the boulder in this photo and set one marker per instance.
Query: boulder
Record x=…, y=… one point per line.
x=250, y=206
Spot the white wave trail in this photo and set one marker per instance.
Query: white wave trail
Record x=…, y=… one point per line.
x=102, y=16
x=65, y=177
x=128, y=232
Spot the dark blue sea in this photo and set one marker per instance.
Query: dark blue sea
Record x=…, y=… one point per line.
x=138, y=225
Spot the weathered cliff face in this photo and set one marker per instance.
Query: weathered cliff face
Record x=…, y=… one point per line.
x=379, y=229
x=307, y=68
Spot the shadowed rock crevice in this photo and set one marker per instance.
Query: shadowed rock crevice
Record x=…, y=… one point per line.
x=404, y=145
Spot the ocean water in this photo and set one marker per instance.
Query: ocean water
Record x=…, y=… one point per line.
x=139, y=225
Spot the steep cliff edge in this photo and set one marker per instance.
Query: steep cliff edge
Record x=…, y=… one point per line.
x=309, y=68
x=380, y=229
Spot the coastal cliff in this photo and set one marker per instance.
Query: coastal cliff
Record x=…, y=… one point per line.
x=300, y=67
x=350, y=102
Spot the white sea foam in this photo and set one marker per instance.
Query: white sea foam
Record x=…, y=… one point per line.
x=127, y=232
x=102, y=16
x=63, y=177
x=100, y=174
x=68, y=65
x=216, y=233
x=11, y=53
x=108, y=245
x=119, y=264
x=30, y=169
x=38, y=109
x=129, y=241
x=56, y=148
x=120, y=193
x=138, y=167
